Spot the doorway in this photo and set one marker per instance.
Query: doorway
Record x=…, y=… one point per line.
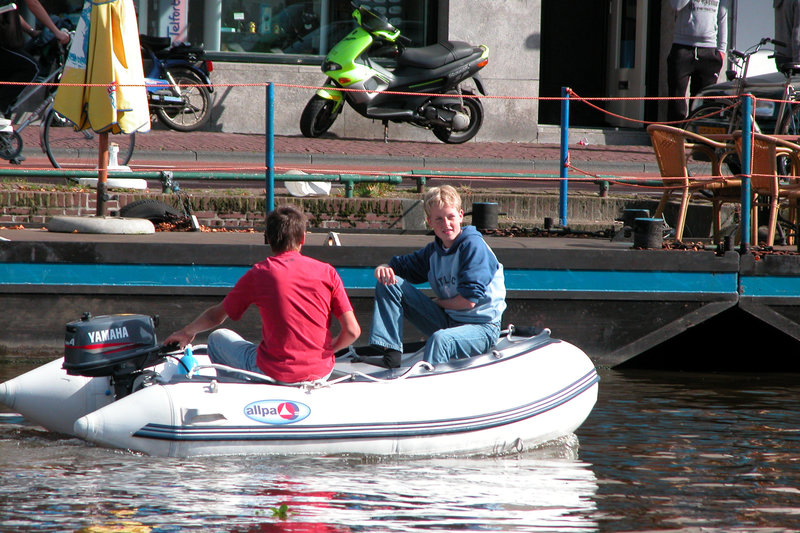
x=573, y=54
x=580, y=39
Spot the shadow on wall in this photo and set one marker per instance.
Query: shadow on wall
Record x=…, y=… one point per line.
x=533, y=41
x=217, y=109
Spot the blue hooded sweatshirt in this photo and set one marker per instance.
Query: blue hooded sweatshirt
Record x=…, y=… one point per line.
x=468, y=267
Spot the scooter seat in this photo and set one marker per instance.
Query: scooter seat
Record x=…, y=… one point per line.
x=436, y=55
x=181, y=51
x=155, y=43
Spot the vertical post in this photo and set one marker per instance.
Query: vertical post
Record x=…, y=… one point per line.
x=747, y=129
x=270, y=148
x=102, y=175
x=563, y=189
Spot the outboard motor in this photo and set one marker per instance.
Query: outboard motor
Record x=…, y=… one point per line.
x=117, y=346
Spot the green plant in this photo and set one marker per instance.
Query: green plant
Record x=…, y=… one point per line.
x=281, y=512
x=373, y=190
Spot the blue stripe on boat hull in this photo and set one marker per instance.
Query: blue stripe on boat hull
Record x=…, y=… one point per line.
x=130, y=275
x=371, y=431
x=770, y=286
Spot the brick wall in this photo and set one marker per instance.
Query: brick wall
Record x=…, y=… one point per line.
x=28, y=207
x=238, y=209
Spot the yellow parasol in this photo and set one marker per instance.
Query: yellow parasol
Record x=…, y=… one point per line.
x=102, y=86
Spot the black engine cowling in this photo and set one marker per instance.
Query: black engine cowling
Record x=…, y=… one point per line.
x=110, y=345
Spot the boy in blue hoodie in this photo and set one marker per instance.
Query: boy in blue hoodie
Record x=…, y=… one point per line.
x=463, y=319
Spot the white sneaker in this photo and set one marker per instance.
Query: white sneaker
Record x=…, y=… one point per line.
x=4, y=122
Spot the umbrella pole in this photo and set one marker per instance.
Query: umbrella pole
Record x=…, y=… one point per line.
x=102, y=175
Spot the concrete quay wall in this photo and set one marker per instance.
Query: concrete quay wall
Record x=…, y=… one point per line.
x=245, y=209
x=615, y=302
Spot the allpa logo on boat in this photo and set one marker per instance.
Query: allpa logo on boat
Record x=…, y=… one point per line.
x=277, y=411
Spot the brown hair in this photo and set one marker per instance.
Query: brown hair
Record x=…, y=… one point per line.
x=286, y=228
x=444, y=196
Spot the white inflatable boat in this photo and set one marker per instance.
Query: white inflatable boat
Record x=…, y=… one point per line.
x=117, y=388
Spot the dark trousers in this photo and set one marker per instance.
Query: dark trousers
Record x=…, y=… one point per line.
x=692, y=67
x=16, y=66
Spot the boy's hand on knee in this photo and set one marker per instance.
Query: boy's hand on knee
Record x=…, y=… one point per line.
x=385, y=274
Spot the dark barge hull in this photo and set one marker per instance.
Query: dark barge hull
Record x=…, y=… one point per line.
x=612, y=301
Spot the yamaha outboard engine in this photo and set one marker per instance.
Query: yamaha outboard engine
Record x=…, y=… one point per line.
x=117, y=346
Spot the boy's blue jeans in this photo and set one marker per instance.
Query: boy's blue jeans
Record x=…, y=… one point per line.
x=447, y=339
x=226, y=347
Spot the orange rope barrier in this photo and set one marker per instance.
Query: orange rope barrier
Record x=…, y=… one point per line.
x=584, y=176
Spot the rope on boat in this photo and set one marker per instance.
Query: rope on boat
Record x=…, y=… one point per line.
x=419, y=364
x=310, y=385
x=350, y=351
x=261, y=377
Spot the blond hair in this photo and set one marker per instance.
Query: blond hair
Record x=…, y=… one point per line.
x=444, y=196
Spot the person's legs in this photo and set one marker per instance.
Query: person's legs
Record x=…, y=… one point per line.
x=460, y=342
x=226, y=347
x=398, y=301
x=680, y=64
x=706, y=71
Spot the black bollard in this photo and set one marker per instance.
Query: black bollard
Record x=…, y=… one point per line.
x=628, y=216
x=648, y=233
x=484, y=215
x=727, y=243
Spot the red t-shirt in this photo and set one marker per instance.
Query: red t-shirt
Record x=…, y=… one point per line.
x=297, y=297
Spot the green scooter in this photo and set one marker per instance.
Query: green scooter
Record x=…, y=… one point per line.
x=424, y=89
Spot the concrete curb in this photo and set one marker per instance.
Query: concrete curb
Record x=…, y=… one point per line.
x=411, y=163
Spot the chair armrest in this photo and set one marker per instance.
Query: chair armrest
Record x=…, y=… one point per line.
x=696, y=138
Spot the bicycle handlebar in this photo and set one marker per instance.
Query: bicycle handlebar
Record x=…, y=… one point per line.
x=755, y=48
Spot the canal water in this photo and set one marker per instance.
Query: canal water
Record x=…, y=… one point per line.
x=661, y=451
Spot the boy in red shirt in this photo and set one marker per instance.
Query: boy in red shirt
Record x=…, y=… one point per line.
x=296, y=296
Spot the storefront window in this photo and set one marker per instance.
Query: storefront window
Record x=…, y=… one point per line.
x=294, y=27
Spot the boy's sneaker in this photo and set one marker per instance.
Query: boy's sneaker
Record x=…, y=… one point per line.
x=392, y=358
x=5, y=125
x=388, y=358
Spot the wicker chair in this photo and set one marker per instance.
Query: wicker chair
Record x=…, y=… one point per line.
x=765, y=181
x=671, y=146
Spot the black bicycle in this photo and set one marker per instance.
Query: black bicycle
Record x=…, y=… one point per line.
x=718, y=108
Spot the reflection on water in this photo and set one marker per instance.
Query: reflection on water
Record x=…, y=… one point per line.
x=718, y=452
x=660, y=451
x=53, y=482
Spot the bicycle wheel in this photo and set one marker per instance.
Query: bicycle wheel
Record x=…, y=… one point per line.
x=711, y=119
x=790, y=123
x=10, y=145
x=70, y=149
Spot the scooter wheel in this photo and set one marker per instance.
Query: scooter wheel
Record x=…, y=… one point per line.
x=10, y=145
x=474, y=110
x=318, y=116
